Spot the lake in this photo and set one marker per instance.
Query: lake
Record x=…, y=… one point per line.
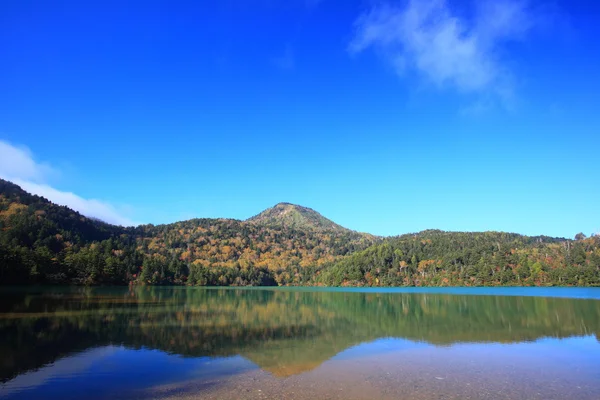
x=299, y=343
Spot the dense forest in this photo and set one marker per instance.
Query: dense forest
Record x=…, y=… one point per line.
x=41, y=242
x=436, y=258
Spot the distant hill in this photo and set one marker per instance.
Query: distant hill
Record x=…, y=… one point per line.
x=294, y=216
x=438, y=258
x=41, y=242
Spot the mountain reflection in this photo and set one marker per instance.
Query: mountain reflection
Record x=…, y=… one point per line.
x=282, y=331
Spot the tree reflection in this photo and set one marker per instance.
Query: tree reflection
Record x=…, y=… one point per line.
x=284, y=332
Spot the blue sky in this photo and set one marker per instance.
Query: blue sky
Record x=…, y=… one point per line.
x=387, y=117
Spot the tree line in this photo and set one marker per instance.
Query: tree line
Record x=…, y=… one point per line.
x=41, y=242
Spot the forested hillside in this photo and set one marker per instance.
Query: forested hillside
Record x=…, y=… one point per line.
x=293, y=216
x=436, y=258
x=41, y=242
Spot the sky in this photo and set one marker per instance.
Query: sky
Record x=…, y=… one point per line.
x=387, y=117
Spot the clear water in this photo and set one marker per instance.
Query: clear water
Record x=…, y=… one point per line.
x=176, y=342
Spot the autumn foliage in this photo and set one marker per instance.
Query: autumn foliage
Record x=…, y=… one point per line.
x=41, y=242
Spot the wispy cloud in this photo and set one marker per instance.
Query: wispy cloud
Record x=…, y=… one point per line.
x=18, y=165
x=18, y=162
x=445, y=48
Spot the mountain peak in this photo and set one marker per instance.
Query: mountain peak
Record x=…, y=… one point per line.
x=295, y=216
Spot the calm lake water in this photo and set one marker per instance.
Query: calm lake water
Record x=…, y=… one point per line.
x=176, y=342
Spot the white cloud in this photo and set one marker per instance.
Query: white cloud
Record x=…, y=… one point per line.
x=19, y=162
x=446, y=49
x=18, y=165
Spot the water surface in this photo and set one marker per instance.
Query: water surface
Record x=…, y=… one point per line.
x=177, y=342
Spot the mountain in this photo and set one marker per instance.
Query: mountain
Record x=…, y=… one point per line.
x=41, y=242
x=438, y=258
x=294, y=216
x=47, y=218
x=35, y=234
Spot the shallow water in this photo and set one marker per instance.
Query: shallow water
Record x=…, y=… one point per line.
x=158, y=343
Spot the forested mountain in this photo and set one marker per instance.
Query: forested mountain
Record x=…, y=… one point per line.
x=437, y=258
x=41, y=242
x=294, y=216
x=210, y=251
